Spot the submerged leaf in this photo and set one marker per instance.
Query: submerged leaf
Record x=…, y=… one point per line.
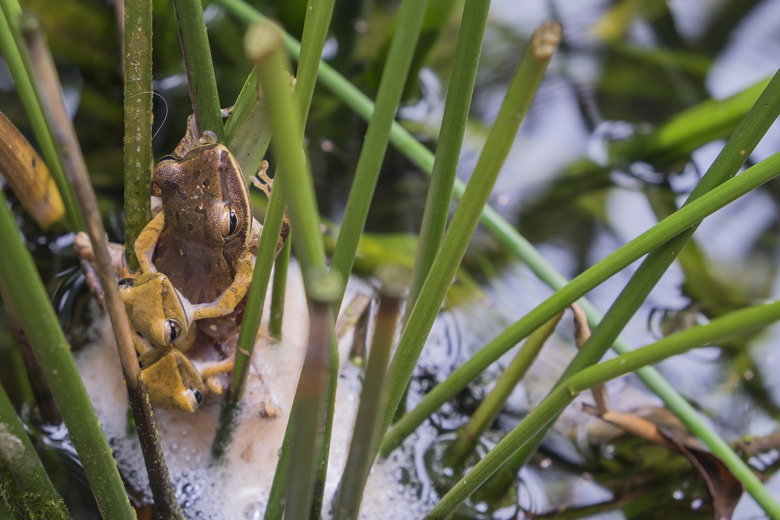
x=662, y=428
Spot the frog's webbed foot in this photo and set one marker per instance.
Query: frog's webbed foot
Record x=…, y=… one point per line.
x=262, y=181
x=232, y=296
x=147, y=241
x=211, y=371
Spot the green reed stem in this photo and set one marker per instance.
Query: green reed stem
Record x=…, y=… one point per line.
x=248, y=135
x=15, y=55
x=488, y=410
x=275, y=508
x=40, y=498
x=278, y=291
x=315, y=32
x=346, y=505
x=138, y=121
x=73, y=161
x=521, y=90
x=453, y=126
x=306, y=441
x=733, y=324
x=28, y=296
x=295, y=179
x=293, y=173
x=255, y=300
x=200, y=70
x=662, y=232
x=372, y=154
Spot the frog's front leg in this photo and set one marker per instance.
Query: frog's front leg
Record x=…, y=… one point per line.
x=82, y=246
x=142, y=346
x=146, y=242
x=231, y=297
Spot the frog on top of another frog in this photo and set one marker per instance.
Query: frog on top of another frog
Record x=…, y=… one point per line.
x=205, y=238
x=196, y=259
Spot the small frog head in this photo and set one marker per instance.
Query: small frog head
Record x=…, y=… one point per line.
x=157, y=311
x=170, y=379
x=205, y=198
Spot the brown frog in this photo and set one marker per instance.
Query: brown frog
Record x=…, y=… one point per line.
x=204, y=238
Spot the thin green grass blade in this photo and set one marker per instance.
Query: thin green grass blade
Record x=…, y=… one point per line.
x=200, y=69
x=521, y=91
x=346, y=505
x=469, y=434
x=278, y=293
x=29, y=298
x=453, y=126
x=372, y=154
x=247, y=132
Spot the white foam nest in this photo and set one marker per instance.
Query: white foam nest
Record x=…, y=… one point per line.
x=238, y=485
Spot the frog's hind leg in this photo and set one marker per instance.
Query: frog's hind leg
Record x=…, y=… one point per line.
x=82, y=246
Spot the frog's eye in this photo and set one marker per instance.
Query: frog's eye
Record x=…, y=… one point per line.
x=167, y=158
x=229, y=223
x=172, y=331
x=197, y=394
x=126, y=282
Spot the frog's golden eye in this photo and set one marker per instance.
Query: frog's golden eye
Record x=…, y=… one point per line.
x=126, y=282
x=229, y=221
x=172, y=331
